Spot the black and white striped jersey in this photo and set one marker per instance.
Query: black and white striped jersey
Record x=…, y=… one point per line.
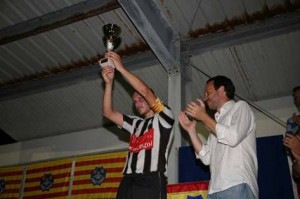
x=149, y=142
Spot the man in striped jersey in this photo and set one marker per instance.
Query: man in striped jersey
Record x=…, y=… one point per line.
x=150, y=135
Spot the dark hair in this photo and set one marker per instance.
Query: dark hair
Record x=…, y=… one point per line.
x=223, y=81
x=295, y=89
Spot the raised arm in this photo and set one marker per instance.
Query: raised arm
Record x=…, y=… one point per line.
x=196, y=109
x=139, y=85
x=190, y=127
x=293, y=143
x=107, y=109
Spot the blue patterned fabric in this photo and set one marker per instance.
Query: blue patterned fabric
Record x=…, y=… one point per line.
x=292, y=127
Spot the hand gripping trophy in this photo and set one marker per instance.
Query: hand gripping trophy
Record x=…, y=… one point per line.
x=111, y=41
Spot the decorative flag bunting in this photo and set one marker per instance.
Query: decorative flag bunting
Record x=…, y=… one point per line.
x=10, y=182
x=98, y=176
x=48, y=180
x=190, y=190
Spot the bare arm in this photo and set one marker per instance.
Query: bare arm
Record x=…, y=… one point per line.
x=133, y=80
x=197, y=111
x=190, y=127
x=296, y=168
x=107, y=108
x=293, y=142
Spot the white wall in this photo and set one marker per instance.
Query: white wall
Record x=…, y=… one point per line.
x=78, y=143
x=102, y=140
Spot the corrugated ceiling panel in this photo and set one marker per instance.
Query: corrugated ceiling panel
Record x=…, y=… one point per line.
x=272, y=64
x=212, y=11
x=11, y=14
x=73, y=108
x=21, y=58
x=274, y=3
x=257, y=68
x=77, y=43
x=16, y=11
x=208, y=16
x=80, y=42
x=232, y=8
x=13, y=64
x=53, y=112
x=45, y=44
x=181, y=14
x=252, y=6
x=208, y=13
x=194, y=15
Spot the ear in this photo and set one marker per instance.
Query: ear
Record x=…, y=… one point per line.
x=222, y=91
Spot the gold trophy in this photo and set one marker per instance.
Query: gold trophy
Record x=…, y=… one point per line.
x=111, y=41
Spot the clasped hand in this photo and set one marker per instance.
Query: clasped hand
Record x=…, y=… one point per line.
x=108, y=71
x=196, y=109
x=293, y=143
x=296, y=119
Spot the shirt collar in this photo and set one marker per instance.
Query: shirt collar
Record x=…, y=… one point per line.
x=224, y=108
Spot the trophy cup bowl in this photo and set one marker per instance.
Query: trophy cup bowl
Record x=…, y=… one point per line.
x=111, y=37
x=111, y=41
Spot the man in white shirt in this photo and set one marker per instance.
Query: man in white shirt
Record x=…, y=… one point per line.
x=230, y=150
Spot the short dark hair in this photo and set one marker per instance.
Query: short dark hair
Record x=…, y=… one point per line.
x=223, y=81
x=295, y=89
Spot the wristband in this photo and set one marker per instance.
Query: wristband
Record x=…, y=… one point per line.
x=158, y=106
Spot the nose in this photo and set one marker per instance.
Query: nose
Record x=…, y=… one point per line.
x=138, y=104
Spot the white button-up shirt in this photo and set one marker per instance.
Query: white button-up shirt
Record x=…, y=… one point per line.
x=231, y=154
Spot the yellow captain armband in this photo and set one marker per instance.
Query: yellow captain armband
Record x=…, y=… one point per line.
x=158, y=106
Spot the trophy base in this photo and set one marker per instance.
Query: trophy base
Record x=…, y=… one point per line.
x=106, y=62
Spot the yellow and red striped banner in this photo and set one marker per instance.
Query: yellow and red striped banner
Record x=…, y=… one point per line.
x=98, y=176
x=188, y=190
x=48, y=179
x=10, y=181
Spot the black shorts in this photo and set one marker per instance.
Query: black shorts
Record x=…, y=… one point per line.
x=143, y=186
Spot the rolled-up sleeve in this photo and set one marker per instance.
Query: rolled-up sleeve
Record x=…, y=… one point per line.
x=233, y=132
x=204, y=154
